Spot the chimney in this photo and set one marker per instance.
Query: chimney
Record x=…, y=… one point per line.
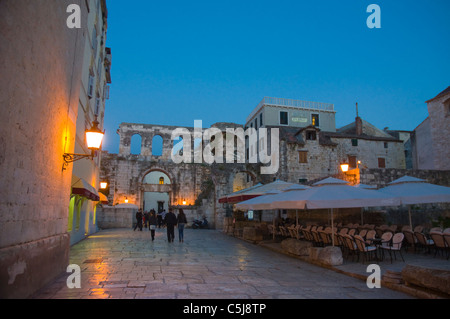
x=358, y=122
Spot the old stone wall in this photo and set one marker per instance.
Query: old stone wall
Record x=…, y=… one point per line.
x=381, y=177
x=439, y=115
x=37, y=125
x=195, y=187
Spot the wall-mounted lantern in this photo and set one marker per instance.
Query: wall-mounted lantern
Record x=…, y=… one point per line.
x=94, y=138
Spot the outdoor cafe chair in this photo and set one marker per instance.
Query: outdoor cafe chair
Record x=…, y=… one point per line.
x=423, y=241
x=436, y=230
x=343, y=231
x=411, y=239
x=370, y=235
x=284, y=231
x=447, y=243
x=418, y=228
x=317, y=241
x=325, y=237
x=292, y=231
x=396, y=245
x=386, y=238
x=307, y=233
x=352, y=232
x=350, y=245
x=439, y=243
x=363, y=249
x=363, y=233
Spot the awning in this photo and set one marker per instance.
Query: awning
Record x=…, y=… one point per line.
x=83, y=188
x=236, y=196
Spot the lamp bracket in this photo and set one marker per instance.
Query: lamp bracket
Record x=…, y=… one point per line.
x=70, y=158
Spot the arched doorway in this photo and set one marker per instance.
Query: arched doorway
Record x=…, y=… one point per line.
x=156, y=186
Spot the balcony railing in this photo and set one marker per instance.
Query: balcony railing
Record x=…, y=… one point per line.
x=275, y=101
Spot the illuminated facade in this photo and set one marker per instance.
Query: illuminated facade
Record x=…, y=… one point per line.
x=94, y=92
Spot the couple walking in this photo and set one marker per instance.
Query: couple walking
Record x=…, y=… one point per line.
x=172, y=220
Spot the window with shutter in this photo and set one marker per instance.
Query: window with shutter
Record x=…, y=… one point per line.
x=303, y=157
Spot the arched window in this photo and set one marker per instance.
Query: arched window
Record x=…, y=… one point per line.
x=157, y=145
x=156, y=177
x=135, y=144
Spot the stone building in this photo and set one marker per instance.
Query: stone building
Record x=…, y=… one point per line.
x=152, y=180
x=312, y=148
x=42, y=64
x=94, y=92
x=430, y=140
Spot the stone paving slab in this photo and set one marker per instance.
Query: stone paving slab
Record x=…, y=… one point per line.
x=122, y=264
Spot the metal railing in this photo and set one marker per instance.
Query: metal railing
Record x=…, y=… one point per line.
x=275, y=101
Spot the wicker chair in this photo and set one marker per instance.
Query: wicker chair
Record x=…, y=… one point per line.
x=410, y=239
x=423, y=241
x=439, y=243
x=396, y=245
x=363, y=249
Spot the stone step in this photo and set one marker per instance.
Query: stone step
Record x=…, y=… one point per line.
x=393, y=277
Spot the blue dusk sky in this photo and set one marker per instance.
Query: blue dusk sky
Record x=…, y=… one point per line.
x=179, y=61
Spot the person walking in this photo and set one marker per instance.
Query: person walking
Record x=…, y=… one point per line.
x=159, y=218
x=145, y=220
x=139, y=216
x=152, y=222
x=181, y=221
x=163, y=215
x=170, y=221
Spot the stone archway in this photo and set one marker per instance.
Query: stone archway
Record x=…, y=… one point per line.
x=156, y=191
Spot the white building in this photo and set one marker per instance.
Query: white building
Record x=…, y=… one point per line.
x=94, y=92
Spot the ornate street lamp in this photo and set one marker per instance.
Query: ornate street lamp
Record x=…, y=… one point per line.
x=94, y=138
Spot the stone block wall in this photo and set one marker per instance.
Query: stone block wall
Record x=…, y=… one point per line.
x=38, y=113
x=439, y=115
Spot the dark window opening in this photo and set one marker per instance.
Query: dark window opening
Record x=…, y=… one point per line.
x=311, y=135
x=284, y=118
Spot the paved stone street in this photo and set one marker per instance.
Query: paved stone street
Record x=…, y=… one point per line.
x=123, y=263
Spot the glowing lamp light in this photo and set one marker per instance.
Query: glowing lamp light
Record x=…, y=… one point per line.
x=103, y=185
x=94, y=138
x=126, y=200
x=184, y=202
x=344, y=167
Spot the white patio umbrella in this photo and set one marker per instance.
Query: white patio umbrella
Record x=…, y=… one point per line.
x=263, y=202
x=410, y=190
x=365, y=186
x=332, y=193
